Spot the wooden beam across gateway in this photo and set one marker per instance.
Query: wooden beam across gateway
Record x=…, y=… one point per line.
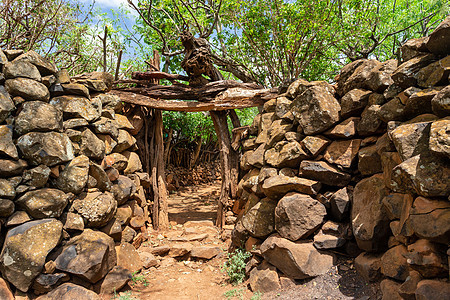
x=234, y=98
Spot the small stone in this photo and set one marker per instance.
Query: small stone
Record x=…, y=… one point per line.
x=264, y=278
x=393, y=263
x=368, y=265
x=44, y=203
x=128, y=258
x=205, y=252
x=28, y=89
x=324, y=173
x=115, y=280
x=432, y=289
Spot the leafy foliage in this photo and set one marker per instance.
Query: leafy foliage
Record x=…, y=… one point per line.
x=235, y=266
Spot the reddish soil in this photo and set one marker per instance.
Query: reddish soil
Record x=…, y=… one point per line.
x=190, y=279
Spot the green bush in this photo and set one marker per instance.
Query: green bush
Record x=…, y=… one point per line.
x=235, y=266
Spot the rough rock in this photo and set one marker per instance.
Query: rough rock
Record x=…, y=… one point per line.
x=46, y=282
x=6, y=208
x=48, y=148
x=128, y=258
x=123, y=189
x=368, y=265
x=345, y=129
x=90, y=256
x=74, y=177
x=389, y=289
x=405, y=75
x=340, y=203
x=259, y=220
x=205, y=252
x=432, y=289
x=106, y=126
x=434, y=74
x=393, y=205
x=393, y=110
x=342, y=153
x=7, y=146
x=439, y=40
x=369, y=222
x=44, y=66
x=413, y=48
x=369, y=161
x=297, y=216
x=97, y=172
x=440, y=137
x=38, y=116
x=148, y=259
x=6, y=105
x=408, y=288
x=440, y=104
x=5, y=290
x=298, y=261
x=328, y=241
x=393, y=263
x=115, y=280
x=9, y=168
x=264, y=278
x=7, y=189
x=179, y=250
x=369, y=123
x=354, y=102
x=21, y=69
x=428, y=258
x=324, y=172
x=25, y=250
x=75, y=107
x=315, y=144
x=44, y=203
x=356, y=75
x=430, y=219
x=73, y=222
x=277, y=186
x=289, y=156
x=36, y=177
x=134, y=163
x=420, y=102
x=96, y=208
x=316, y=110
x=91, y=145
x=124, y=141
x=69, y=291
x=28, y=89
x=411, y=139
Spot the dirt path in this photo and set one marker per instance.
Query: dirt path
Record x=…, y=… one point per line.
x=192, y=213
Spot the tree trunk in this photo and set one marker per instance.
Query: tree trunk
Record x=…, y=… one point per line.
x=229, y=162
x=163, y=217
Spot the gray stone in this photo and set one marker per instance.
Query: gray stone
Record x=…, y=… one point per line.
x=75, y=107
x=324, y=172
x=38, y=116
x=20, y=68
x=25, y=250
x=28, y=89
x=259, y=220
x=44, y=203
x=44, y=66
x=123, y=188
x=96, y=208
x=74, y=177
x=7, y=146
x=36, y=177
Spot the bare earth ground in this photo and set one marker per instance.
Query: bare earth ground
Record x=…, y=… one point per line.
x=189, y=279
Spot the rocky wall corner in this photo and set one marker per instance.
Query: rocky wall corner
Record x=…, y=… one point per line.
x=361, y=167
x=71, y=183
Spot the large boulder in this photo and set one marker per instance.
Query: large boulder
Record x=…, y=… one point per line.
x=259, y=220
x=25, y=250
x=411, y=139
x=44, y=66
x=440, y=137
x=296, y=260
x=38, y=116
x=439, y=40
x=74, y=176
x=70, y=291
x=440, y=104
x=342, y=153
x=44, y=203
x=324, y=173
x=369, y=221
x=90, y=256
x=76, y=107
x=7, y=146
x=20, y=68
x=28, y=89
x=354, y=102
x=413, y=48
x=96, y=208
x=316, y=110
x=405, y=75
x=297, y=216
x=357, y=75
x=48, y=148
x=264, y=278
x=277, y=186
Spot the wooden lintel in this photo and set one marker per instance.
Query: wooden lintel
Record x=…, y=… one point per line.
x=188, y=106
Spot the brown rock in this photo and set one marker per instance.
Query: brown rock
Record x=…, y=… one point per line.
x=439, y=41
x=408, y=288
x=44, y=66
x=430, y=219
x=9, y=168
x=345, y=129
x=389, y=160
x=115, y=280
x=96, y=208
x=369, y=161
x=435, y=73
x=74, y=177
x=297, y=216
x=369, y=222
x=38, y=116
x=46, y=282
x=5, y=290
x=298, y=261
x=73, y=222
x=178, y=250
x=264, y=278
x=411, y=139
x=69, y=291
x=428, y=258
x=394, y=110
x=277, y=186
x=75, y=107
x=123, y=189
x=103, y=182
x=134, y=163
x=6, y=208
x=369, y=123
x=324, y=172
x=393, y=263
x=7, y=146
x=393, y=204
x=259, y=220
x=440, y=137
x=128, y=258
x=361, y=76
x=405, y=75
x=314, y=144
x=6, y=105
x=205, y=252
x=25, y=250
x=432, y=289
x=413, y=48
x=420, y=102
x=148, y=259
x=44, y=203
x=354, y=102
x=389, y=289
x=340, y=203
x=316, y=110
x=324, y=241
x=368, y=265
x=440, y=104
x=90, y=256
x=91, y=146
x=342, y=153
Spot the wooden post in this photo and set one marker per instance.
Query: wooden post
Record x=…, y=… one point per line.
x=163, y=213
x=229, y=163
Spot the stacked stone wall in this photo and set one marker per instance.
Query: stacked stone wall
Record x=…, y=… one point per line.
x=360, y=167
x=71, y=183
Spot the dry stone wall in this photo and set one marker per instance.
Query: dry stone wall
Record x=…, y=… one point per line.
x=362, y=167
x=71, y=184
